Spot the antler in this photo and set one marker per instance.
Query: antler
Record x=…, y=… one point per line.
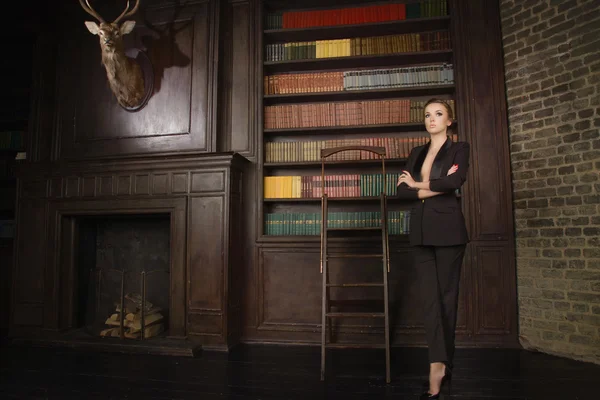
x=126, y=13
x=88, y=9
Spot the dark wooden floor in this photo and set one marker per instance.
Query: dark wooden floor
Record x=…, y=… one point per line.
x=281, y=372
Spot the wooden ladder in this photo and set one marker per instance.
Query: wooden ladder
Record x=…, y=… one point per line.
x=326, y=315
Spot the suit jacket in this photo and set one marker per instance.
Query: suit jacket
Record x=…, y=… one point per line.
x=438, y=220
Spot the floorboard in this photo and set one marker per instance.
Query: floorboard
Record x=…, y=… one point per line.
x=269, y=372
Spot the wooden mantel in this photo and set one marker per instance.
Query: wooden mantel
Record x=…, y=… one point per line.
x=202, y=194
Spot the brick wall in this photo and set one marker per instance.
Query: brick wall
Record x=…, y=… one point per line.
x=552, y=67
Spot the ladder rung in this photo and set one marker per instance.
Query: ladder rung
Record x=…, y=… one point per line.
x=355, y=314
x=349, y=255
x=355, y=346
x=374, y=228
x=355, y=284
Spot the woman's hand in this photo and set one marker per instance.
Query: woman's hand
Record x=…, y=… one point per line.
x=406, y=178
x=452, y=170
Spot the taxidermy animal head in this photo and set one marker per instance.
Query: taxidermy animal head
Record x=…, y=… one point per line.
x=124, y=73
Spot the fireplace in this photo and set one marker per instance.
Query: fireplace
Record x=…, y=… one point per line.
x=90, y=220
x=101, y=272
x=122, y=276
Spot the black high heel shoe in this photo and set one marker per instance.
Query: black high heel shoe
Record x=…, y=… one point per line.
x=446, y=378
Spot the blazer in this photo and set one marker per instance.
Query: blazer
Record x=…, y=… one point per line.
x=438, y=220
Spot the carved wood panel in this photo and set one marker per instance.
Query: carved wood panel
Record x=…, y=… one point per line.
x=289, y=289
x=496, y=309
x=180, y=114
x=30, y=278
x=481, y=111
x=239, y=88
x=243, y=81
x=289, y=293
x=206, y=258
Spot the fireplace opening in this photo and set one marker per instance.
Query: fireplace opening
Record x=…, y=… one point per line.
x=122, y=276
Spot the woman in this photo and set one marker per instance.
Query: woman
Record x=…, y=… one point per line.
x=433, y=174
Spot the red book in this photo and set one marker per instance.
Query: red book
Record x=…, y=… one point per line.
x=401, y=11
x=286, y=23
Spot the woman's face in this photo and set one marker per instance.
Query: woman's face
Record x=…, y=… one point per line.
x=436, y=118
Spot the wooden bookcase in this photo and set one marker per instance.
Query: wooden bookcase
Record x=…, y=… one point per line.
x=432, y=16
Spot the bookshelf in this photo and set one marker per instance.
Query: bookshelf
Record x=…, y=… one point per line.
x=353, y=74
x=374, y=61
x=357, y=94
x=343, y=31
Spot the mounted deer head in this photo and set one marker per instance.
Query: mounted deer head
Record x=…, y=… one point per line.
x=124, y=74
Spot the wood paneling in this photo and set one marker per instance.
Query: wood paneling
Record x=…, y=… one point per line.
x=180, y=41
x=89, y=186
x=41, y=142
x=104, y=186
x=235, y=279
x=289, y=289
x=243, y=82
x=238, y=83
x=482, y=116
x=179, y=183
x=159, y=183
x=28, y=280
x=142, y=184
x=289, y=294
x=208, y=182
x=205, y=275
x=495, y=313
x=481, y=109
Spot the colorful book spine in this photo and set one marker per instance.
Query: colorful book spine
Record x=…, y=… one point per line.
x=368, y=79
x=350, y=113
x=309, y=151
x=356, y=15
x=309, y=224
x=360, y=46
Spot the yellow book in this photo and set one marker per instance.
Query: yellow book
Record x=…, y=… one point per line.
x=267, y=192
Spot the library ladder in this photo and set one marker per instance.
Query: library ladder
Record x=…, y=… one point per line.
x=384, y=256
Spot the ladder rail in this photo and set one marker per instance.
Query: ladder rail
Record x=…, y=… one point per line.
x=324, y=272
x=386, y=270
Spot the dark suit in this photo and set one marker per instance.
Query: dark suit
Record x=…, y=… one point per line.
x=439, y=234
x=438, y=220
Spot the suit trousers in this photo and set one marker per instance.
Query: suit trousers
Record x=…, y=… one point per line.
x=438, y=270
